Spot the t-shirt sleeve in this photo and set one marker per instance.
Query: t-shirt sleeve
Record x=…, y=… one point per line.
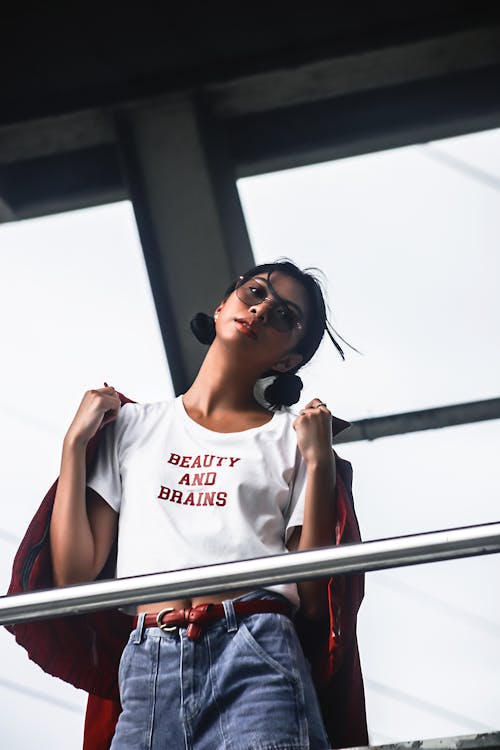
x=295, y=511
x=104, y=474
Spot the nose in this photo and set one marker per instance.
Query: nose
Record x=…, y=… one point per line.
x=261, y=309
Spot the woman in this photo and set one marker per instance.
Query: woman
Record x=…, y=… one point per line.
x=209, y=477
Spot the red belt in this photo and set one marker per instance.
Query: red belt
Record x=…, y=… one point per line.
x=194, y=618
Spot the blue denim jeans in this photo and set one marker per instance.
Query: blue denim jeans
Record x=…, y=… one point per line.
x=243, y=685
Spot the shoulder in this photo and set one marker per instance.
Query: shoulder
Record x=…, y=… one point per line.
x=134, y=409
x=282, y=432
x=136, y=416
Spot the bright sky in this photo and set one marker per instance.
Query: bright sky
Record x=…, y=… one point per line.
x=408, y=242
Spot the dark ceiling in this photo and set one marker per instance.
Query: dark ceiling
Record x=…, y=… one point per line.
x=61, y=57
x=284, y=84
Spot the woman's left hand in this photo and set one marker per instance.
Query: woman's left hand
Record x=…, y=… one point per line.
x=314, y=432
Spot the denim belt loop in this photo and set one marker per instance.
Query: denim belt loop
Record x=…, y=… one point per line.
x=140, y=628
x=231, y=621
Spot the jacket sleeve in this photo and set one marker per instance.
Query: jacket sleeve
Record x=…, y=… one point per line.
x=83, y=650
x=100, y=723
x=331, y=644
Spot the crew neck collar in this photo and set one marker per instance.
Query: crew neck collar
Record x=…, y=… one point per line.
x=193, y=425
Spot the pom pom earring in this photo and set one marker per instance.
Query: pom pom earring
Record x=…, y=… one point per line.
x=203, y=327
x=284, y=391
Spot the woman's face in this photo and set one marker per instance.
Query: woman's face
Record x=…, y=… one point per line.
x=252, y=320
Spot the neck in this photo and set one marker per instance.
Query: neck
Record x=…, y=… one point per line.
x=222, y=384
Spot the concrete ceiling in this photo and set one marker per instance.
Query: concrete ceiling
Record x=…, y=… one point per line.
x=287, y=84
x=60, y=57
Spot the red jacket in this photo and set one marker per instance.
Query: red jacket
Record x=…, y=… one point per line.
x=85, y=650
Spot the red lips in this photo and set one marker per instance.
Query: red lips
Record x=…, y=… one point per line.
x=247, y=327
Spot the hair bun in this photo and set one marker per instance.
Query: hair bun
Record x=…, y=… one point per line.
x=203, y=327
x=284, y=390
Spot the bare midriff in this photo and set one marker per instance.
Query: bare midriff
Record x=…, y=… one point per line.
x=192, y=602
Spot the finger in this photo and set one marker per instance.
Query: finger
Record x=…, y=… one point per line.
x=322, y=407
x=102, y=399
x=315, y=403
x=315, y=408
x=112, y=405
x=312, y=403
x=319, y=404
x=110, y=391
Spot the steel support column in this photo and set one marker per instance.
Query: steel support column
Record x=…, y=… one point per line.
x=189, y=217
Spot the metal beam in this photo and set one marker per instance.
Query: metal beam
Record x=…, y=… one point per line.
x=349, y=74
x=425, y=419
x=263, y=571
x=296, y=114
x=189, y=217
x=62, y=182
x=365, y=121
x=50, y=136
x=270, y=90
x=6, y=212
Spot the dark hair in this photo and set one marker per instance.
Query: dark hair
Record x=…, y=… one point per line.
x=285, y=390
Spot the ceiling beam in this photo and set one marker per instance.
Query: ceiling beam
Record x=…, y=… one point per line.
x=364, y=122
x=6, y=212
x=35, y=139
x=350, y=74
x=424, y=419
x=61, y=182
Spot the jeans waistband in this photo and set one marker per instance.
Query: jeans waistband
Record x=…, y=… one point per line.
x=195, y=619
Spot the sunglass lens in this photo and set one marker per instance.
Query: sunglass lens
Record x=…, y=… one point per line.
x=281, y=317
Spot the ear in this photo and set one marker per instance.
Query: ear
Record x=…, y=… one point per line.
x=288, y=362
x=218, y=309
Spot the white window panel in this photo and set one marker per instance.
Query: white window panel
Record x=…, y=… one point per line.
x=410, y=248
x=77, y=310
x=430, y=634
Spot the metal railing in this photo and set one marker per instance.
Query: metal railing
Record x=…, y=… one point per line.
x=380, y=554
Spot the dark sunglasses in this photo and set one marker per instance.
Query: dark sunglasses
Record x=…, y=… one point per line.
x=281, y=317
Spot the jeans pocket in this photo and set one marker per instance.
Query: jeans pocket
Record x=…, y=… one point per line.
x=271, y=637
x=267, y=710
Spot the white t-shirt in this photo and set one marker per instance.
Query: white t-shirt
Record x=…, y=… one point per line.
x=188, y=496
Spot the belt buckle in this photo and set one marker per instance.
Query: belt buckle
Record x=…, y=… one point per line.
x=159, y=618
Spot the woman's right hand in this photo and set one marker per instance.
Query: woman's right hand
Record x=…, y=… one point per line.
x=98, y=406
